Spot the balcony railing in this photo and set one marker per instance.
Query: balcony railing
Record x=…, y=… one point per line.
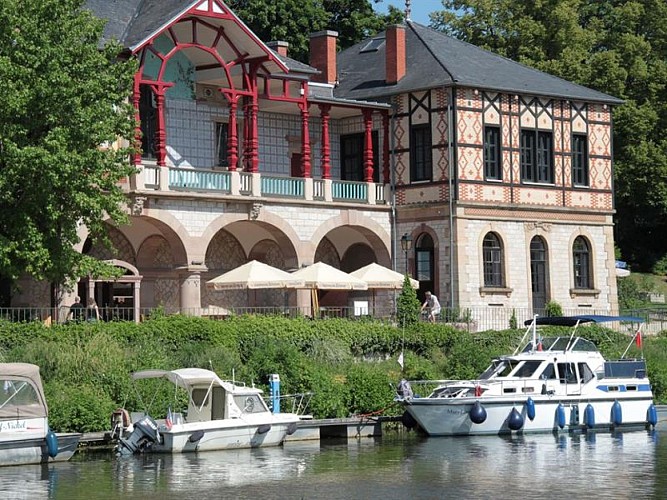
x=237, y=183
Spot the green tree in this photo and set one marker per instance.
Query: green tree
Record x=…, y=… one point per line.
x=618, y=47
x=294, y=20
x=64, y=104
x=407, y=304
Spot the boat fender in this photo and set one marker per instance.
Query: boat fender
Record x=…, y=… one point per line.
x=196, y=436
x=52, y=443
x=408, y=420
x=589, y=416
x=477, y=413
x=530, y=408
x=652, y=415
x=515, y=420
x=291, y=428
x=616, y=413
x=263, y=429
x=560, y=415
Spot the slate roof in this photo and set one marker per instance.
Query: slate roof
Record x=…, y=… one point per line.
x=130, y=22
x=434, y=59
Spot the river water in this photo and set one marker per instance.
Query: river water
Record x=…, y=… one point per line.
x=397, y=466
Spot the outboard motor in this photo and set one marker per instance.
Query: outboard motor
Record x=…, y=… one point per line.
x=144, y=434
x=404, y=390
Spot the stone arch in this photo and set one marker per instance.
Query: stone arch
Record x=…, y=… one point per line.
x=374, y=234
x=357, y=256
x=155, y=253
x=326, y=252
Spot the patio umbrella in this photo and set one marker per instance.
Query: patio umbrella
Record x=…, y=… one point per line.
x=377, y=276
x=321, y=276
x=255, y=275
x=380, y=277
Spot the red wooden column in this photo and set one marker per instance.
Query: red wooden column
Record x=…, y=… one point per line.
x=246, y=134
x=254, y=133
x=232, y=139
x=326, y=141
x=305, y=140
x=136, y=99
x=368, y=145
x=386, y=176
x=161, y=132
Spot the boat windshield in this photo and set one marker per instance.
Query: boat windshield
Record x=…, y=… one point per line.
x=526, y=369
x=584, y=345
x=499, y=368
x=15, y=394
x=549, y=344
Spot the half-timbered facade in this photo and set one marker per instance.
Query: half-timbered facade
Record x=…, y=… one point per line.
x=503, y=174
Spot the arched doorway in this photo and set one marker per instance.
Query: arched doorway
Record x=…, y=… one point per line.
x=117, y=299
x=538, y=273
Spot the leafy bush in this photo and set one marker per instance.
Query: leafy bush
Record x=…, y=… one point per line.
x=553, y=308
x=407, y=304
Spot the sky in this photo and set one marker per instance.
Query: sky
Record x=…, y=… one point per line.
x=420, y=8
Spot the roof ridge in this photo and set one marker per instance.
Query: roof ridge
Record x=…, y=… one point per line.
x=428, y=47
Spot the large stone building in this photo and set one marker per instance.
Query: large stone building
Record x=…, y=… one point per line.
x=499, y=175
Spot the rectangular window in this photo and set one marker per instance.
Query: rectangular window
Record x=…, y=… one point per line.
x=492, y=162
x=352, y=157
x=221, y=131
x=420, y=153
x=537, y=164
x=579, y=160
x=148, y=122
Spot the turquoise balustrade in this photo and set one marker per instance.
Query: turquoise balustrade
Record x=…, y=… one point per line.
x=286, y=187
x=349, y=191
x=185, y=178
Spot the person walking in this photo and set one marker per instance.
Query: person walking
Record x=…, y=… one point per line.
x=432, y=306
x=76, y=311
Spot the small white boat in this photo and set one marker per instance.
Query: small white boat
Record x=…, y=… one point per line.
x=556, y=383
x=25, y=437
x=221, y=415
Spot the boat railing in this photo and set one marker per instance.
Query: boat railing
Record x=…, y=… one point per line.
x=298, y=403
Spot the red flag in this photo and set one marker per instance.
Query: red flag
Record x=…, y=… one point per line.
x=638, y=338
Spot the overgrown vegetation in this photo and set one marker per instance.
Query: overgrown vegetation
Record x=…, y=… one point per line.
x=351, y=366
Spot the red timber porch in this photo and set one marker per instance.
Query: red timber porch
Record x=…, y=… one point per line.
x=221, y=113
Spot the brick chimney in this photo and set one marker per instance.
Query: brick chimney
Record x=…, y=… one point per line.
x=323, y=55
x=280, y=47
x=395, y=51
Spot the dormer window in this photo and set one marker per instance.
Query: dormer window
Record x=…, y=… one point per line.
x=373, y=45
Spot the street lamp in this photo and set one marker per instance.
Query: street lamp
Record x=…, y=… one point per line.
x=406, y=245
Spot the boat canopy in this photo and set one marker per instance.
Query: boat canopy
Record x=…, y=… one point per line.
x=574, y=320
x=21, y=392
x=190, y=377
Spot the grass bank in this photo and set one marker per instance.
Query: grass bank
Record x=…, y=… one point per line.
x=351, y=366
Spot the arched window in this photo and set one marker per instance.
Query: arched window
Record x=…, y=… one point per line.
x=581, y=257
x=493, y=261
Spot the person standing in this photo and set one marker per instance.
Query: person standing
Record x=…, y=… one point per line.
x=432, y=306
x=76, y=310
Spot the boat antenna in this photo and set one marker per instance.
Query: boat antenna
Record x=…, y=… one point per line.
x=534, y=333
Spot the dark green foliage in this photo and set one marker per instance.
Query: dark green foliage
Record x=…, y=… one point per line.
x=63, y=97
x=350, y=366
x=407, y=304
x=553, y=308
x=629, y=294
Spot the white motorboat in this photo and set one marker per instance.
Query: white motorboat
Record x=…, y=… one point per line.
x=554, y=384
x=220, y=415
x=25, y=436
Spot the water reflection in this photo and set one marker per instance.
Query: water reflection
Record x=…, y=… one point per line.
x=399, y=466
